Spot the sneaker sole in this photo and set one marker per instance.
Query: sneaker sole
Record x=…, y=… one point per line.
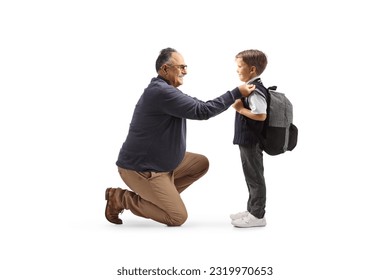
x=240, y=226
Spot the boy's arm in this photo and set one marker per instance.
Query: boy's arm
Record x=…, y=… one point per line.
x=239, y=107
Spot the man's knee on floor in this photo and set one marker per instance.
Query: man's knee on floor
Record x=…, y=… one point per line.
x=178, y=219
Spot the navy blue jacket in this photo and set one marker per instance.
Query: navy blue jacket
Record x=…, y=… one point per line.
x=156, y=140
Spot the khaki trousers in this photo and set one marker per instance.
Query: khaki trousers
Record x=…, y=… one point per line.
x=156, y=195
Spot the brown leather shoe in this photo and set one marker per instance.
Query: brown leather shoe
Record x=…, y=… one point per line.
x=113, y=207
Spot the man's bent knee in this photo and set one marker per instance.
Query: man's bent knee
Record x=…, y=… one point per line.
x=177, y=219
x=203, y=164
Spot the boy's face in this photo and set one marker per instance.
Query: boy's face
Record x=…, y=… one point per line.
x=245, y=72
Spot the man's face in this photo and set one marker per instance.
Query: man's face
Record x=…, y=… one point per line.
x=176, y=70
x=245, y=73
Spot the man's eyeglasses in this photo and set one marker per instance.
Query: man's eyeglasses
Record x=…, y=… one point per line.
x=182, y=67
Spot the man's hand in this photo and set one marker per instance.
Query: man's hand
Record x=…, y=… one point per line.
x=246, y=90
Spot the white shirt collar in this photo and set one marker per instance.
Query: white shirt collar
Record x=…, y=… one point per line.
x=255, y=78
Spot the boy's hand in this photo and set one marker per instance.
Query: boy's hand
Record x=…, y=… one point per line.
x=246, y=89
x=238, y=105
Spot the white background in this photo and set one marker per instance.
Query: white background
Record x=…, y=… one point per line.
x=70, y=75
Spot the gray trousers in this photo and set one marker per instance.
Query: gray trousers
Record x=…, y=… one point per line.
x=252, y=165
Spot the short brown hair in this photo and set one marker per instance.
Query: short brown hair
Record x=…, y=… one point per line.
x=254, y=58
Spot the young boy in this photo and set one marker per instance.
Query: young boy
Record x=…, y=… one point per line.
x=251, y=113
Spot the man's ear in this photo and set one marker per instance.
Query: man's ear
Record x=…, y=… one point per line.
x=165, y=69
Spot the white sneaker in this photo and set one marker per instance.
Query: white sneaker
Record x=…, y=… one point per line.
x=239, y=215
x=249, y=221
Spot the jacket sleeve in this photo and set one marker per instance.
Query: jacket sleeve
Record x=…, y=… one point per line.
x=181, y=105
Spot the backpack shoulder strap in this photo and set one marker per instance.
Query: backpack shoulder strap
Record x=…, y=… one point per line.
x=258, y=91
x=273, y=88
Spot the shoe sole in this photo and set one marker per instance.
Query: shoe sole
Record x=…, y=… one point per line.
x=119, y=221
x=248, y=225
x=237, y=226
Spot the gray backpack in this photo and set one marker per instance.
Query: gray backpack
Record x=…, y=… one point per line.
x=279, y=133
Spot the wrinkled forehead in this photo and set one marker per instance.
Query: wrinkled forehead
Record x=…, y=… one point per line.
x=177, y=58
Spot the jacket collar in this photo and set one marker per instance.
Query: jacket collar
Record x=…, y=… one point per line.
x=160, y=77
